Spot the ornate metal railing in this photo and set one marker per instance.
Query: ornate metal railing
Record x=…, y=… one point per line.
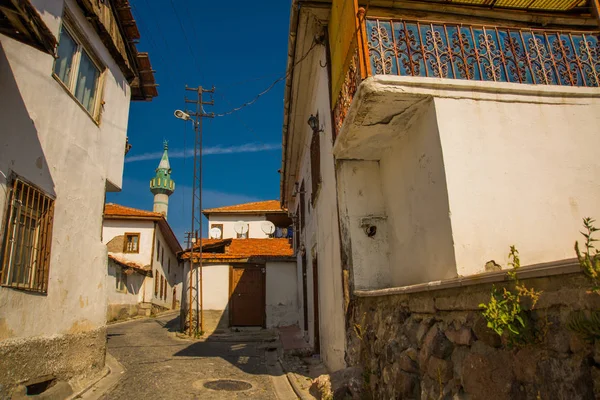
x=484, y=53
x=344, y=100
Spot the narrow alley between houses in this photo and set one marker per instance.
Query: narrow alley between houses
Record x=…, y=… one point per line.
x=159, y=365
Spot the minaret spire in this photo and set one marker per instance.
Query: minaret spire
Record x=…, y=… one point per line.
x=162, y=186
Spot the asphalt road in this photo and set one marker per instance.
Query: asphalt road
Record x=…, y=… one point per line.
x=158, y=365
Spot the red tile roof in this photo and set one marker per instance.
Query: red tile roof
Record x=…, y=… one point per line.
x=115, y=210
x=243, y=249
x=130, y=264
x=257, y=206
x=119, y=212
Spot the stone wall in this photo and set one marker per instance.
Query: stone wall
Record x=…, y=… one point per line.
x=436, y=345
x=68, y=357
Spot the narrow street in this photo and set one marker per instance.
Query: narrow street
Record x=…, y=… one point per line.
x=158, y=365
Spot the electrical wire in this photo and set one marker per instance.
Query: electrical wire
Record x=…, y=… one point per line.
x=272, y=85
x=187, y=41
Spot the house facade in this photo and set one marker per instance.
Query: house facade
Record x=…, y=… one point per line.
x=68, y=71
x=144, y=274
x=248, y=277
x=435, y=138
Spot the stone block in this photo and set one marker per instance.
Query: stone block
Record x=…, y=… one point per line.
x=462, y=301
x=421, y=304
x=565, y=378
x=435, y=344
x=440, y=370
x=595, y=372
x=457, y=358
x=526, y=362
x=407, y=361
x=485, y=334
x=462, y=336
x=488, y=377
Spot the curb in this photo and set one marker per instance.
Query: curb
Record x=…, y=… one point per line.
x=293, y=380
x=105, y=383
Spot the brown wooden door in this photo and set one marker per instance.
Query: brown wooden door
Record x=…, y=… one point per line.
x=174, y=305
x=316, y=304
x=247, y=296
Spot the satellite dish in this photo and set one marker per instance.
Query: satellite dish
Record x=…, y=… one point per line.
x=267, y=227
x=241, y=228
x=215, y=233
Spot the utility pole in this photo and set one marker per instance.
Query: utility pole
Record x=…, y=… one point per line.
x=196, y=325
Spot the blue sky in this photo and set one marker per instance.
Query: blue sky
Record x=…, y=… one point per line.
x=239, y=47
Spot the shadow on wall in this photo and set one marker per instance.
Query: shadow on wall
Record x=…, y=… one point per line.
x=20, y=148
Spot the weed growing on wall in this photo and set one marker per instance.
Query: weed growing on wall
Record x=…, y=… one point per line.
x=505, y=312
x=589, y=260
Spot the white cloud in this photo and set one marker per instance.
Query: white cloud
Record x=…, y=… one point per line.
x=211, y=150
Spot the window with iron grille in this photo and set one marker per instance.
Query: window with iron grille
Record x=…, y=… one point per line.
x=131, y=243
x=157, y=249
x=315, y=165
x=27, y=238
x=162, y=286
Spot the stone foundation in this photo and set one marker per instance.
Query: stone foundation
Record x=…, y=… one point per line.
x=62, y=357
x=435, y=345
x=119, y=312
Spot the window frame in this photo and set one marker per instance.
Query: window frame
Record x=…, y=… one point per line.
x=131, y=234
x=83, y=46
x=220, y=226
x=38, y=265
x=315, y=166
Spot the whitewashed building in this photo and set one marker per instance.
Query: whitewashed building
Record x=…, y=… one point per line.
x=420, y=142
x=68, y=71
x=249, y=276
x=144, y=274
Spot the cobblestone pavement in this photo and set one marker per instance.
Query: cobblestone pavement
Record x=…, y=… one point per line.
x=158, y=365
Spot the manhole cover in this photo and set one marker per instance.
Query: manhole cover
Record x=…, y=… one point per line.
x=227, y=385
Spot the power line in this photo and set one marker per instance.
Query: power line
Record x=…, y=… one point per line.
x=187, y=41
x=272, y=85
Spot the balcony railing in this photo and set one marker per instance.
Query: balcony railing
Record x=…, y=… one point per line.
x=468, y=52
x=483, y=53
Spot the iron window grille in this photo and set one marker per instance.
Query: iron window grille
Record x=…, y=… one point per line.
x=156, y=276
x=27, y=242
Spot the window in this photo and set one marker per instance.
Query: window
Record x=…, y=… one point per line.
x=131, y=244
x=169, y=262
x=157, y=250
x=162, y=285
x=165, y=291
x=315, y=165
x=156, y=276
x=77, y=69
x=27, y=238
x=121, y=280
x=162, y=256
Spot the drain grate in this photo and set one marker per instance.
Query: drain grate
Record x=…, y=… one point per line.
x=227, y=385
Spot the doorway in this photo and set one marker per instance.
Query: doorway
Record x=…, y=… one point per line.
x=247, y=295
x=304, y=293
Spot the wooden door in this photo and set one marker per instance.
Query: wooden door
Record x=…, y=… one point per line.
x=174, y=305
x=304, y=293
x=316, y=304
x=247, y=295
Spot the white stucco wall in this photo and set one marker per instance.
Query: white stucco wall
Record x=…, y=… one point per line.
x=281, y=294
x=134, y=293
x=228, y=221
x=362, y=201
x=414, y=188
x=160, y=265
x=112, y=228
x=321, y=235
x=215, y=287
x=50, y=141
x=521, y=170
x=470, y=168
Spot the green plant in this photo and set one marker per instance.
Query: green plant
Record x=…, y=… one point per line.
x=505, y=313
x=589, y=260
x=586, y=323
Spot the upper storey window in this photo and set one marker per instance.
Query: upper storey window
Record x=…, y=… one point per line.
x=78, y=70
